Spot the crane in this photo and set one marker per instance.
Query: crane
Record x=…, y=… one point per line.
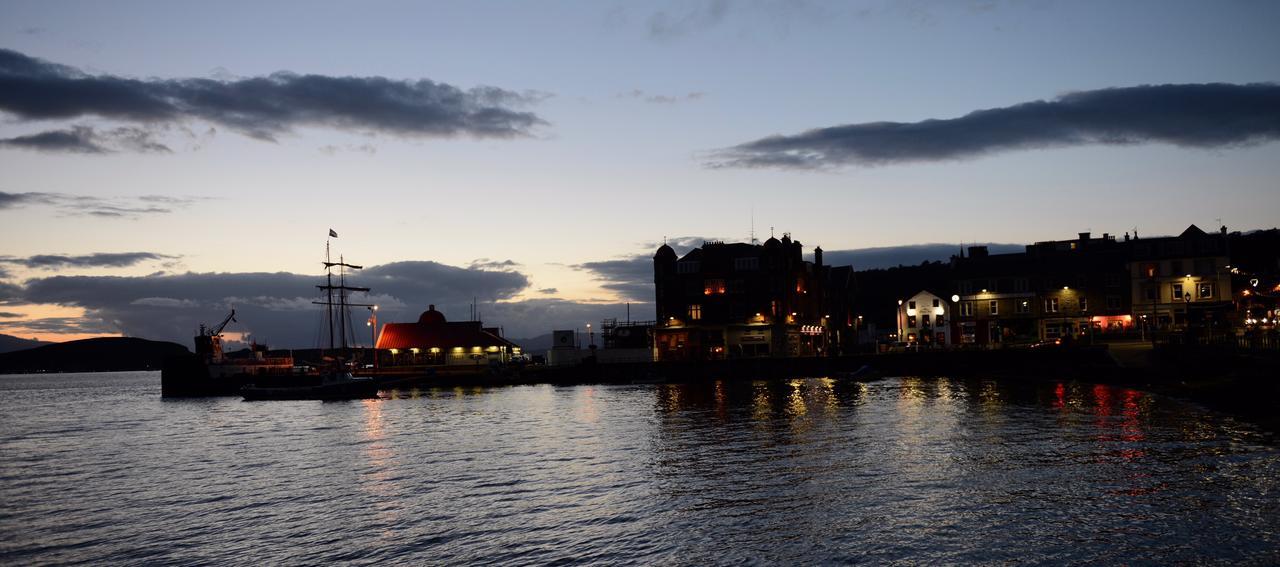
x=216, y=331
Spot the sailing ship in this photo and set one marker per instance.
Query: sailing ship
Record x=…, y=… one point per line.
x=333, y=379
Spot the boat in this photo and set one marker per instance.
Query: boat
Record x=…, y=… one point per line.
x=333, y=378
x=212, y=372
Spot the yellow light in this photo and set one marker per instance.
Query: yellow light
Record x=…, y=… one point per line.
x=1065, y=288
x=435, y=350
x=414, y=350
x=395, y=351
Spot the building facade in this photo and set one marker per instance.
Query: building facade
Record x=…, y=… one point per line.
x=433, y=340
x=924, y=320
x=742, y=300
x=1181, y=280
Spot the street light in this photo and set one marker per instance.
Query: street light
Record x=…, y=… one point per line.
x=372, y=323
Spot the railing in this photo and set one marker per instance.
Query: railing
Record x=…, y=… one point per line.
x=1255, y=341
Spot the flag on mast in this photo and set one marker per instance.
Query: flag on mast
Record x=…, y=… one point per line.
x=333, y=233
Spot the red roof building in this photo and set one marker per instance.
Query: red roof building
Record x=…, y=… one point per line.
x=434, y=340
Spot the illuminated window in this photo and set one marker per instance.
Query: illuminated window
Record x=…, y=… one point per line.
x=1205, y=291
x=1151, y=270
x=940, y=321
x=713, y=287
x=1022, y=306
x=1051, y=305
x=695, y=312
x=993, y=307
x=911, y=321
x=924, y=321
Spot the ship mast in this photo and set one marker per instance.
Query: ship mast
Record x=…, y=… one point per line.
x=342, y=288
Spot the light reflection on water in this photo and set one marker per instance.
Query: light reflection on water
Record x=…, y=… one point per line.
x=97, y=468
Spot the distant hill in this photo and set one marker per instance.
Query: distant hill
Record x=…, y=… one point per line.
x=107, y=354
x=535, y=345
x=10, y=343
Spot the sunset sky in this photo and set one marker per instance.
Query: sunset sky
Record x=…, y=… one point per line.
x=161, y=162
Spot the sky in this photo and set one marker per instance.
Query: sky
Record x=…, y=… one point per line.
x=163, y=162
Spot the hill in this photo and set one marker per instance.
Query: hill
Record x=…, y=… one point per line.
x=107, y=354
x=10, y=343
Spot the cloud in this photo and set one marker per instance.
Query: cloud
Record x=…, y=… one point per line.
x=631, y=277
x=661, y=99
x=1187, y=115
x=276, y=307
x=74, y=140
x=108, y=207
x=96, y=260
x=77, y=325
x=662, y=25
x=487, y=264
x=10, y=315
x=549, y=290
x=265, y=107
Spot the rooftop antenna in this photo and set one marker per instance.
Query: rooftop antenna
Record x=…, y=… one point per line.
x=770, y=232
x=753, y=225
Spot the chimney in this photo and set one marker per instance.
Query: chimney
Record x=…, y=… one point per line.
x=977, y=251
x=817, y=256
x=1084, y=236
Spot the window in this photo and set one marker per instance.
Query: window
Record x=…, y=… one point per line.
x=940, y=321
x=911, y=321
x=1175, y=266
x=713, y=287
x=1020, y=284
x=911, y=305
x=1150, y=292
x=994, y=307
x=924, y=321
x=1112, y=279
x=746, y=264
x=1022, y=306
x=935, y=303
x=1113, y=302
x=1084, y=304
x=966, y=309
x=1204, y=291
x=965, y=288
x=695, y=312
x=1151, y=269
x=1177, y=292
x=688, y=267
x=1051, y=305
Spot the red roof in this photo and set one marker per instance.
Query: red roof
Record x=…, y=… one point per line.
x=439, y=335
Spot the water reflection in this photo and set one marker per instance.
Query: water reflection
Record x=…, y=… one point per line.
x=803, y=471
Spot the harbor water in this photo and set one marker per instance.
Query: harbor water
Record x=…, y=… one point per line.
x=98, y=469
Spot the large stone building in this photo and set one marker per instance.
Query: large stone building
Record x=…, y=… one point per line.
x=749, y=300
x=1179, y=280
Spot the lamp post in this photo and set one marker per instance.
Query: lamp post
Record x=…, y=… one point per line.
x=1186, y=312
x=373, y=333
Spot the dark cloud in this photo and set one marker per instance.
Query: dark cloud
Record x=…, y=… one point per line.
x=549, y=290
x=10, y=315
x=78, y=325
x=265, y=107
x=631, y=277
x=276, y=307
x=78, y=139
x=96, y=260
x=1188, y=115
x=109, y=207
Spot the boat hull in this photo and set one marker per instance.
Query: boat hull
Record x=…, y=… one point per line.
x=359, y=389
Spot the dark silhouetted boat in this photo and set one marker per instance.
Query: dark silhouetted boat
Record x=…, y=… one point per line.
x=332, y=379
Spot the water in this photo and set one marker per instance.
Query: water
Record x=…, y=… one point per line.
x=96, y=468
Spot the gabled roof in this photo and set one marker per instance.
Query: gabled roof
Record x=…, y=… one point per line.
x=1192, y=230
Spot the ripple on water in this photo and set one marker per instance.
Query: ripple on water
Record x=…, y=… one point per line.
x=97, y=468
